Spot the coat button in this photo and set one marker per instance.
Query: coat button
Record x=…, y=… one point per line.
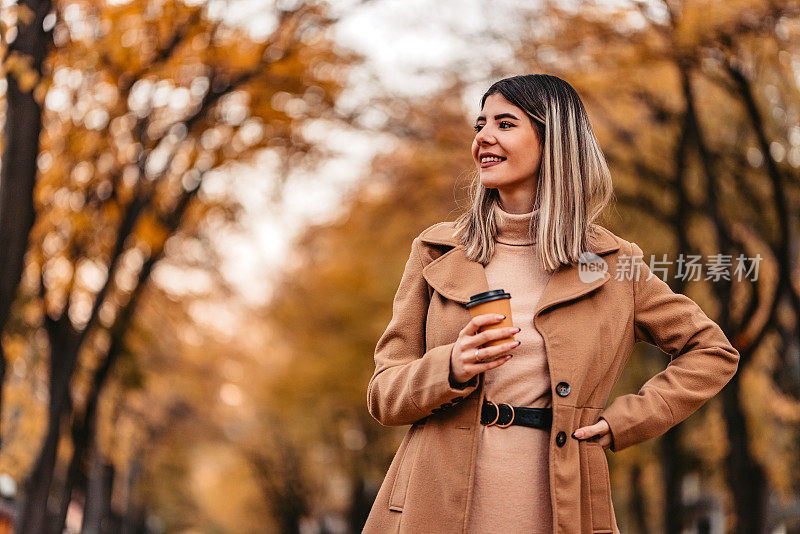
x=561, y=439
x=562, y=389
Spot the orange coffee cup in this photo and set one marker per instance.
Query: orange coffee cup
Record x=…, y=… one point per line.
x=494, y=301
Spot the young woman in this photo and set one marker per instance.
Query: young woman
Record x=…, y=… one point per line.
x=511, y=438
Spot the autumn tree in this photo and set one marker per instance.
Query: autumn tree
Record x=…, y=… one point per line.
x=696, y=109
x=145, y=104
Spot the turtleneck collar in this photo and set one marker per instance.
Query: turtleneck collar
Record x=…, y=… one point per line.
x=513, y=228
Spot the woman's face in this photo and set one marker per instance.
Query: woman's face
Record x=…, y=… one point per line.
x=505, y=131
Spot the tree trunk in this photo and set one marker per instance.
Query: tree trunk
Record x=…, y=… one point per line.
x=34, y=511
x=18, y=171
x=133, y=516
x=671, y=465
x=82, y=437
x=360, y=504
x=97, y=511
x=745, y=476
x=84, y=427
x=638, y=515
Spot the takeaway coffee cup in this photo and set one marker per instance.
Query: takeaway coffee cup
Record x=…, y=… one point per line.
x=494, y=301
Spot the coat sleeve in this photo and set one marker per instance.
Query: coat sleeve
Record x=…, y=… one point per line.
x=410, y=383
x=702, y=361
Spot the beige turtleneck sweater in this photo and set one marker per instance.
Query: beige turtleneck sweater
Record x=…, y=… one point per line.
x=516, y=452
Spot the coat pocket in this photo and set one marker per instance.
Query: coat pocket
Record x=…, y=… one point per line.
x=397, y=497
x=599, y=488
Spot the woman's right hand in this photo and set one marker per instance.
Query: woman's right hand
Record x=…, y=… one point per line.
x=463, y=362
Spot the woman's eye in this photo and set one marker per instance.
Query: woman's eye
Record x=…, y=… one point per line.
x=478, y=127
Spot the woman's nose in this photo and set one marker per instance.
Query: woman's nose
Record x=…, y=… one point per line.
x=484, y=138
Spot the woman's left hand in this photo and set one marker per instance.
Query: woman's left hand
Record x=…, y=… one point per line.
x=599, y=432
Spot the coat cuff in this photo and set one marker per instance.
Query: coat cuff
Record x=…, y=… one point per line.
x=435, y=392
x=628, y=424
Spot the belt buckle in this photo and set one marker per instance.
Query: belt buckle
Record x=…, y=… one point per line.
x=497, y=408
x=498, y=415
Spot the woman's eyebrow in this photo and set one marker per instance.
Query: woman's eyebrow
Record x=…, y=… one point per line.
x=498, y=117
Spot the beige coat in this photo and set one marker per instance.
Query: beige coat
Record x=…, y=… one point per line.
x=589, y=330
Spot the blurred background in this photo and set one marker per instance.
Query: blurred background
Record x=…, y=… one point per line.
x=206, y=207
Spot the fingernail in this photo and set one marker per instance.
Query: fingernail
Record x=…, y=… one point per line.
x=519, y=343
x=501, y=316
x=519, y=329
x=577, y=434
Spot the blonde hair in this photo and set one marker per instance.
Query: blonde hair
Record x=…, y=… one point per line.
x=574, y=183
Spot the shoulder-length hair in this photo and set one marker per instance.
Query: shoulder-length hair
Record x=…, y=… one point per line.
x=574, y=183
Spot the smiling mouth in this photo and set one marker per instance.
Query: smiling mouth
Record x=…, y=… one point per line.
x=491, y=161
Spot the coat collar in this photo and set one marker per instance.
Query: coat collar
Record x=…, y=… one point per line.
x=456, y=277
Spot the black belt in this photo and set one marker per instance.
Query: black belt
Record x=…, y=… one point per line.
x=504, y=415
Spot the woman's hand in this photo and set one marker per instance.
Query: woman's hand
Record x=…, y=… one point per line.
x=464, y=364
x=599, y=432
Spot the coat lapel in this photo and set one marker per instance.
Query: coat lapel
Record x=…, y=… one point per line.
x=457, y=278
